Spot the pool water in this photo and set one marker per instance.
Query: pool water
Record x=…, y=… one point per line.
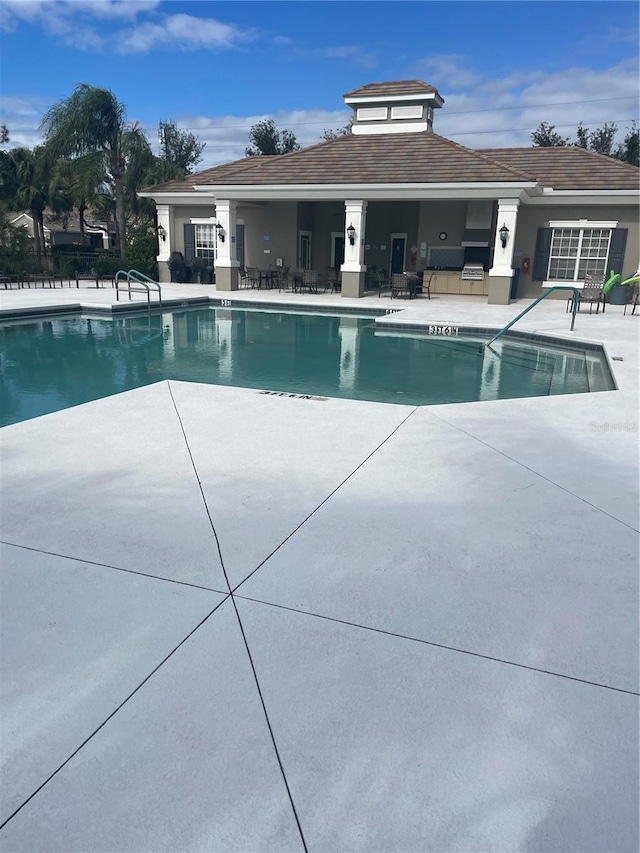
x=48, y=364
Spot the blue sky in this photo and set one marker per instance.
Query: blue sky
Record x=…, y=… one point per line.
x=217, y=68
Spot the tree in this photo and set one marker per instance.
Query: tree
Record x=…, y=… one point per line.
x=32, y=170
x=13, y=239
x=92, y=121
x=334, y=133
x=599, y=140
x=179, y=147
x=82, y=181
x=266, y=139
x=4, y=134
x=629, y=149
x=545, y=136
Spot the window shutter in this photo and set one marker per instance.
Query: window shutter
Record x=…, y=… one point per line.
x=541, y=256
x=189, y=242
x=616, y=250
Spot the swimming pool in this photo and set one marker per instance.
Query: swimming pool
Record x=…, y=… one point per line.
x=48, y=364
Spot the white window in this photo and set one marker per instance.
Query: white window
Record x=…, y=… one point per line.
x=413, y=111
x=206, y=244
x=577, y=252
x=372, y=113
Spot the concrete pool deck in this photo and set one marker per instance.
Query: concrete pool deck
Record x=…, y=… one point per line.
x=234, y=621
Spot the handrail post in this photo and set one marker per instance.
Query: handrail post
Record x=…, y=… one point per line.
x=576, y=301
x=576, y=305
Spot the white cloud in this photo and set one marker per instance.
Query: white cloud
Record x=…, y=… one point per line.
x=452, y=67
x=74, y=23
x=70, y=21
x=125, y=9
x=12, y=12
x=228, y=136
x=184, y=32
x=22, y=115
x=486, y=114
x=491, y=113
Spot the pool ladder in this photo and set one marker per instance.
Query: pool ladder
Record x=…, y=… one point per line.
x=141, y=284
x=576, y=303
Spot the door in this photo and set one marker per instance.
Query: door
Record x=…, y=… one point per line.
x=304, y=250
x=338, y=251
x=398, y=246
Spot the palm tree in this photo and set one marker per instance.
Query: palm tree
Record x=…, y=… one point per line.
x=80, y=180
x=92, y=121
x=32, y=171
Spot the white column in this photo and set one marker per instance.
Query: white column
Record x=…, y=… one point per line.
x=503, y=257
x=226, y=216
x=356, y=215
x=165, y=219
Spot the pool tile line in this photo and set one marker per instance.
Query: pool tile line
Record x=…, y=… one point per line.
x=242, y=631
x=433, y=644
x=115, y=568
x=534, y=472
x=114, y=712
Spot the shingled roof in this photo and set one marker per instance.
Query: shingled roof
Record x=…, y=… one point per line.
x=388, y=159
x=569, y=167
x=416, y=158
x=396, y=87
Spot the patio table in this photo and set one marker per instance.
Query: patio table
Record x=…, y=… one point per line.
x=267, y=279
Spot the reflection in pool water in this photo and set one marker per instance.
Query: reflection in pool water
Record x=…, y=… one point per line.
x=51, y=364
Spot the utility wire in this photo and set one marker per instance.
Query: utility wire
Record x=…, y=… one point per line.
x=448, y=114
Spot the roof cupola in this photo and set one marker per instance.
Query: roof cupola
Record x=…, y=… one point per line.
x=403, y=106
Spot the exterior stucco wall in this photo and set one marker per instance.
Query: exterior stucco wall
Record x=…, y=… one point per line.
x=436, y=217
x=321, y=218
x=533, y=217
x=384, y=219
x=269, y=233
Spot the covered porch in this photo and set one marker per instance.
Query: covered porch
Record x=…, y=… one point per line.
x=465, y=245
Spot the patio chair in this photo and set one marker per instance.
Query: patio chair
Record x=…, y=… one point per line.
x=591, y=293
x=380, y=281
x=331, y=280
x=253, y=277
x=281, y=278
x=632, y=299
x=426, y=284
x=403, y=285
x=294, y=279
x=310, y=280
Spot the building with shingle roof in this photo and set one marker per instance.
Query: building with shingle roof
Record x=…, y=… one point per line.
x=394, y=196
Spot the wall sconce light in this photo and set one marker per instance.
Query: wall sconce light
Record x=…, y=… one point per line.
x=351, y=234
x=504, y=236
x=220, y=232
x=162, y=234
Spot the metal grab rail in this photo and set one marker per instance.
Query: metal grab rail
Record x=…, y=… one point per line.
x=576, y=303
x=141, y=280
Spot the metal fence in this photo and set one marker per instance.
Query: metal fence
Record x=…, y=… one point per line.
x=61, y=261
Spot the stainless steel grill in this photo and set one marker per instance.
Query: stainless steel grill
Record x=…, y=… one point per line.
x=472, y=272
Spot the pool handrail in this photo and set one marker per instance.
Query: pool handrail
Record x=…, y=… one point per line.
x=576, y=303
x=140, y=279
